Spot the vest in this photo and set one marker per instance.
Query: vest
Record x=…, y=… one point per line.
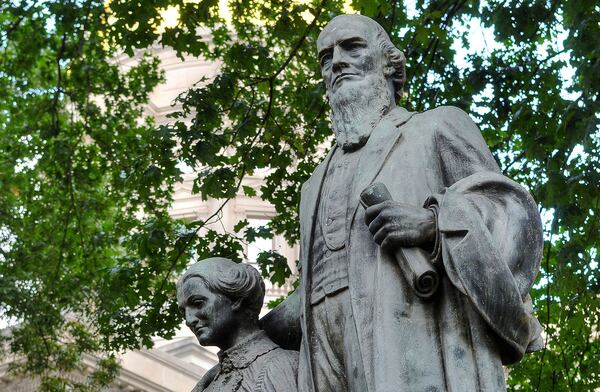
x=329, y=261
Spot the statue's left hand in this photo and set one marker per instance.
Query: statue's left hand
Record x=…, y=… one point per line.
x=395, y=225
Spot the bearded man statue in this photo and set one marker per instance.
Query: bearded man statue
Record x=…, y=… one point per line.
x=363, y=325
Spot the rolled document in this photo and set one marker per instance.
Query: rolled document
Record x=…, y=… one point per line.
x=414, y=262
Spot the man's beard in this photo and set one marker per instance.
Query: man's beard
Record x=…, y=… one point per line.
x=356, y=108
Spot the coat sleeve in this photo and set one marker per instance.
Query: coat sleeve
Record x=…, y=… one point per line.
x=282, y=324
x=490, y=234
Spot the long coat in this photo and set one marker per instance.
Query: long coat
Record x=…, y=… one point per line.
x=491, y=244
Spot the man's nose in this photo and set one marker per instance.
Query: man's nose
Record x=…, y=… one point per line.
x=338, y=60
x=190, y=318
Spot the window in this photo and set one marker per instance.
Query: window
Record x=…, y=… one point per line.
x=259, y=244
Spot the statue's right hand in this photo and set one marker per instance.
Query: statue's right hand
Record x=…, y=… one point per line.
x=395, y=224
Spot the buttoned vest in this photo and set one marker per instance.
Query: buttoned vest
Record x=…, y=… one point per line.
x=329, y=261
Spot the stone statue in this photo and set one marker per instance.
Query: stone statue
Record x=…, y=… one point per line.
x=364, y=325
x=221, y=301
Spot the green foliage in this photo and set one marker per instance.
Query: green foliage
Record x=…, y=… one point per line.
x=85, y=185
x=274, y=266
x=78, y=170
x=273, y=303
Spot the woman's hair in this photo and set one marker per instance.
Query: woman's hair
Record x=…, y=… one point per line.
x=234, y=280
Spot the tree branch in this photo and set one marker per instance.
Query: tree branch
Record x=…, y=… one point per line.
x=54, y=107
x=241, y=169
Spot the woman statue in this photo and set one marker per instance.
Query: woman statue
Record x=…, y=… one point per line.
x=221, y=301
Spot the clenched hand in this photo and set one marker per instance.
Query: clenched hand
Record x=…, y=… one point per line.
x=396, y=225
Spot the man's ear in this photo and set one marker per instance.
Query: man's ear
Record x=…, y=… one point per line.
x=237, y=305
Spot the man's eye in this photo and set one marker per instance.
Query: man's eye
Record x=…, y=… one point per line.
x=198, y=302
x=353, y=46
x=325, y=59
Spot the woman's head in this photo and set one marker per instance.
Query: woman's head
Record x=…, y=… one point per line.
x=216, y=295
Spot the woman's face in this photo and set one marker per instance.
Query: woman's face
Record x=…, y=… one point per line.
x=210, y=315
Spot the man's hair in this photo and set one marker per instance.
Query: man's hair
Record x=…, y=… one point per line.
x=394, y=56
x=234, y=280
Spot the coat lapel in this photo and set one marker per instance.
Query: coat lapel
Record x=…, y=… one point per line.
x=374, y=154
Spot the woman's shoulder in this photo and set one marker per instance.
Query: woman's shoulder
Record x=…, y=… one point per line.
x=280, y=371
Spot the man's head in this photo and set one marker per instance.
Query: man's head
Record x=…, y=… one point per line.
x=364, y=75
x=217, y=296
x=356, y=44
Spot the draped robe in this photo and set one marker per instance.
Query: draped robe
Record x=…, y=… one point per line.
x=490, y=235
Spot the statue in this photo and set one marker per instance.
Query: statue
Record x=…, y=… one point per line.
x=365, y=325
x=221, y=301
